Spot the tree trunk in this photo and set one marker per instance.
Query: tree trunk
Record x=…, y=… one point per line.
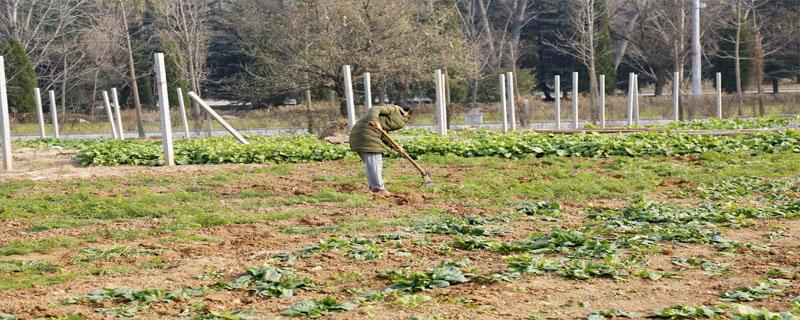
x=474, y=93
x=738, y=60
x=64, y=85
x=309, y=112
x=137, y=103
x=623, y=45
x=94, y=92
x=594, y=93
x=489, y=37
x=332, y=104
x=661, y=82
x=758, y=68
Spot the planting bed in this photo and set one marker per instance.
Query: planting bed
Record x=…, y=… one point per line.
x=711, y=229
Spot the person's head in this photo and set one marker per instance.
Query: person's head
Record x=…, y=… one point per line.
x=407, y=106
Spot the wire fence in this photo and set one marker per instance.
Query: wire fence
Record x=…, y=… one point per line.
x=531, y=112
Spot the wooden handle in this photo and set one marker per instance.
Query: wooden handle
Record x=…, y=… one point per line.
x=402, y=152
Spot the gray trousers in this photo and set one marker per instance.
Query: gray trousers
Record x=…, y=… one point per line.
x=374, y=164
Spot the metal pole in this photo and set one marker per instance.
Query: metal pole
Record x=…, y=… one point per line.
x=439, y=98
x=558, y=101
x=719, y=95
x=118, y=111
x=5, y=122
x=182, y=107
x=630, y=99
x=367, y=91
x=636, y=99
x=676, y=96
x=503, y=104
x=348, y=94
x=39, y=112
x=163, y=108
x=696, y=50
x=602, y=101
x=216, y=116
x=110, y=115
x=443, y=82
x=54, y=114
x=512, y=103
x=575, y=100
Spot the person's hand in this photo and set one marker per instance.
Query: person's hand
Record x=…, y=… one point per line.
x=376, y=125
x=399, y=149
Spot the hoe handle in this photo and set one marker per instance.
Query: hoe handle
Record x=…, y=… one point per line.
x=402, y=151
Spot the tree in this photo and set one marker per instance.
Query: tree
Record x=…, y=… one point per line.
x=735, y=56
x=187, y=20
x=173, y=66
x=397, y=39
x=589, y=44
x=23, y=79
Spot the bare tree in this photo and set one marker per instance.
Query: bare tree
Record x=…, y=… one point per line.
x=581, y=44
x=187, y=20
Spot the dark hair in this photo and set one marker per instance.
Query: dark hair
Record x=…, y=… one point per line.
x=407, y=106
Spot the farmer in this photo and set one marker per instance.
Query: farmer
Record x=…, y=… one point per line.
x=367, y=141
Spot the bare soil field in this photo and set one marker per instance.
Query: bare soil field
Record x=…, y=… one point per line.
x=67, y=231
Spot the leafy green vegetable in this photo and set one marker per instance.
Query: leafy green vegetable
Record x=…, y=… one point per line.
x=316, y=308
x=269, y=282
x=687, y=312
x=480, y=143
x=405, y=280
x=744, y=312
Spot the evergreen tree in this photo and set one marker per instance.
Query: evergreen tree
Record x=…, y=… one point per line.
x=605, y=50
x=173, y=65
x=725, y=61
x=21, y=78
x=604, y=60
x=551, y=62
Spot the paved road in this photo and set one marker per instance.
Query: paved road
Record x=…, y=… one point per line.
x=290, y=131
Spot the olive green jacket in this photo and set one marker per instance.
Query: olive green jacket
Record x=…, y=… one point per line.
x=364, y=138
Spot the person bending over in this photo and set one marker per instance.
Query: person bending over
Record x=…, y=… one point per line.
x=371, y=145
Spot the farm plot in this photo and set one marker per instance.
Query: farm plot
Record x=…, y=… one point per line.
x=709, y=234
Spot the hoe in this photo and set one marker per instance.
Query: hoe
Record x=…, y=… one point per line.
x=425, y=174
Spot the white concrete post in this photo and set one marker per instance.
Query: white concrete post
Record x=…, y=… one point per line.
x=444, y=103
x=348, y=95
x=503, y=104
x=54, y=114
x=676, y=96
x=558, y=101
x=631, y=89
x=216, y=116
x=512, y=103
x=39, y=112
x=575, y=97
x=719, y=95
x=110, y=115
x=182, y=107
x=441, y=124
x=602, y=101
x=367, y=90
x=636, y=99
x=163, y=108
x=5, y=122
x=118, y=112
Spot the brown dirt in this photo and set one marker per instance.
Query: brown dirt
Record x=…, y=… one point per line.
x=235, y=247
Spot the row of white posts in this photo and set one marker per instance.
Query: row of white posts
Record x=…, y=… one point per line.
x=633, y=117
x=164, y=115
x=440, y=101
x=507, y=97
x=114, y=116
